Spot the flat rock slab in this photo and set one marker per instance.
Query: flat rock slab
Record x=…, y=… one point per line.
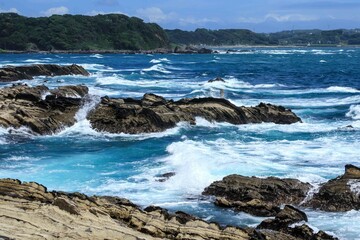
x=14, y=73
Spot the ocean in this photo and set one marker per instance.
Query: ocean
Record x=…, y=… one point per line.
x=321, y=85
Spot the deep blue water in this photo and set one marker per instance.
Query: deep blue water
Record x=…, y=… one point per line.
x=321, y=85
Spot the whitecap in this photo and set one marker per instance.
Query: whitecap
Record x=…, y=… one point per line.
x=160, y=60
x=323, y=61
x=156, y=68
x=354, y=112
x=355, y=186
x=96, y=56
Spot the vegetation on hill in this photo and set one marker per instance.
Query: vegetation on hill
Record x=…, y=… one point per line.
x=78, y=32
x=247, y=37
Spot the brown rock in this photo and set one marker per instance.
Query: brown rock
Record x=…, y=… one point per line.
x=336, y=195
x=153, y=113
x=10, y=73
x=26, y=106
x=257, y=196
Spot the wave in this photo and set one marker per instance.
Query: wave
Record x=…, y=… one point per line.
x=160, y=60
x=96, y=56
x=157, y=68
x=354, y=112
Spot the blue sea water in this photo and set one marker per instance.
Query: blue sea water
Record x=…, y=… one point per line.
x=322, y=86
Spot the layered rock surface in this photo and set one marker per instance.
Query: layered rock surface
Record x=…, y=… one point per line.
x=154, y=113
x=42, y=110
x=339, y=194
x=29, y=211
x=11, y=73
x=257, y=196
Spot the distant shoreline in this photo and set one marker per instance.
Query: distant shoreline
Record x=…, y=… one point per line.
x=168, y=51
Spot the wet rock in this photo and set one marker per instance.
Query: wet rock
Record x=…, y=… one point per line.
x=289, y=221
x=164, y=177
x=10, y=73
x=257, y=196
x=42, y=110
x=154, y=113
x=340, y=194
x=217, y=79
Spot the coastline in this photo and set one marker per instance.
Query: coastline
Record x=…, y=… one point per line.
x=170, y=51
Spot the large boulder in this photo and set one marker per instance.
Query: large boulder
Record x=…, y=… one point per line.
x=257, y=196
x=153, y=113
x=11, y=73
x=42, y=110
x=339, y=194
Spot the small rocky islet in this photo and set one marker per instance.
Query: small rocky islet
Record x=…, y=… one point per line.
x=30, y=210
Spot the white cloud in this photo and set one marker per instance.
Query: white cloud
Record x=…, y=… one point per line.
x=95, y=12
x=56, y=10
x=154, y=14
x=197, y=21
x=11, y=10
x=279, y=18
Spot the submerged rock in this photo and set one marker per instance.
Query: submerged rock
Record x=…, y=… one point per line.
x=217, y=79
x=154, y=113
x=339, y=194
x=257, y=196
x=42, y=110
x=11, y=73
x=29, y=211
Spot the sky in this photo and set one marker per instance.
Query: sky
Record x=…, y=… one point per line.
x=256, y=15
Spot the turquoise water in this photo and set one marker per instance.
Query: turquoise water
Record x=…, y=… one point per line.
x=322, y=86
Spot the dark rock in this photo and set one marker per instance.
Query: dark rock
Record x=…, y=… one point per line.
x=66, y=205
x=288, y=216
x=192, y=50
x=11, y=73
x=165, y=176
x=28, y=106
x=154, y=114
x=336, y=195
x=257, y=196
x=217, y=79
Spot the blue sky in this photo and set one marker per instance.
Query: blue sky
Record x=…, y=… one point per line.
x=256, y=15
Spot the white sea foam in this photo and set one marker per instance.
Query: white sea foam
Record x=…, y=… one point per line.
x=157, y=68
x=323, y=61
x=21, y=158
x=354, y=112
x=160, y=60
x=355, y=186
x=96, y=56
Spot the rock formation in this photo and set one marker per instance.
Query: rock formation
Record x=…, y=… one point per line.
x=46, y=111
x=29, y=211
x=42, y=110
x=11, y=73
x=154, y=113
x=339, y=194
x=257, y=196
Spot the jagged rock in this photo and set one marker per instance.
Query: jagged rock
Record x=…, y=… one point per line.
x=10, y=73
x=288, y=216
x=217, y=79
x=154, y=113
x=192, y=50
x=164, y=177
x=29, y=211
x=42, y=110
x=257, y=196
x=337, y=194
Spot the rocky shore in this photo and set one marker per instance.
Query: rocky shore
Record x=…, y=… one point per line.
x=11, y=73
x=29, y=211
x=264, y=196
x=46, y=111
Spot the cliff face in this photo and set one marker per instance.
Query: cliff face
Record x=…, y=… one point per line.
x=78, y=32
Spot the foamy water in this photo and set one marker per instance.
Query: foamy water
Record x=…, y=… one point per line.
x=320, y=85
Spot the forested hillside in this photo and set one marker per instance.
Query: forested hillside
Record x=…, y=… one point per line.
x=247, y=37
x=78, y=32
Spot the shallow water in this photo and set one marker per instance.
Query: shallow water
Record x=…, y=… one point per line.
x=322, y=86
